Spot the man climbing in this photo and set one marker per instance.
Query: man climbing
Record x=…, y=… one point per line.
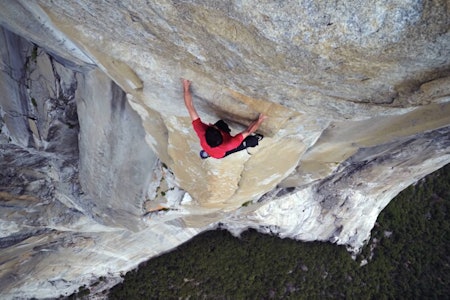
x=215, y=139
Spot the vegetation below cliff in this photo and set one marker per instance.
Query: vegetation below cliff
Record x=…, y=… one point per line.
x=408, y=253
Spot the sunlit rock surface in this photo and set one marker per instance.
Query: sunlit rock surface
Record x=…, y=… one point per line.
x=99, y=164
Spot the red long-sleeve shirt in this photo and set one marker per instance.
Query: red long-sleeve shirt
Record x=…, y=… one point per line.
x=229, y=142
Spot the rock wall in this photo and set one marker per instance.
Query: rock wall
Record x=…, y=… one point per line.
x=99, y=164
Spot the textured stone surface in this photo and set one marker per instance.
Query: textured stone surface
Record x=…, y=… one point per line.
x=72, y=183
x=101, y=170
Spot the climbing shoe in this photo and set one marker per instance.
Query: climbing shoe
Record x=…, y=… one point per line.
x=203, y=154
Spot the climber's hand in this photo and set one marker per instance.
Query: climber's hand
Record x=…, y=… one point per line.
x=262, y=117
x=186, y=84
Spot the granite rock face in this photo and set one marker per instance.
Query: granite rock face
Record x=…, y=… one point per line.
x=99, y=164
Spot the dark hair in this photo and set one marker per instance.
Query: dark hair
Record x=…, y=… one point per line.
x=213, y=137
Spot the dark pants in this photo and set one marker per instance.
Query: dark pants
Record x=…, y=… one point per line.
x=250, y=141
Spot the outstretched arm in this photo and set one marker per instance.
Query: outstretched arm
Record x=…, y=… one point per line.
x=254, y=125
x=188, y=99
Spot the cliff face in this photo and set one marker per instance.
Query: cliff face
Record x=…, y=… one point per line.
x=99, y=164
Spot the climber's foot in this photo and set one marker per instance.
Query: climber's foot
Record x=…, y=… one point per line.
x=203, y=154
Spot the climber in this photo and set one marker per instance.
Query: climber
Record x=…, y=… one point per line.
x=215, y=139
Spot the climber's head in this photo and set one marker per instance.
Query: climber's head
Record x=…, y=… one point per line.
x=213, y=136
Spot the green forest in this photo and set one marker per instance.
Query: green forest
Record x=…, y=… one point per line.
x=410, y=260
